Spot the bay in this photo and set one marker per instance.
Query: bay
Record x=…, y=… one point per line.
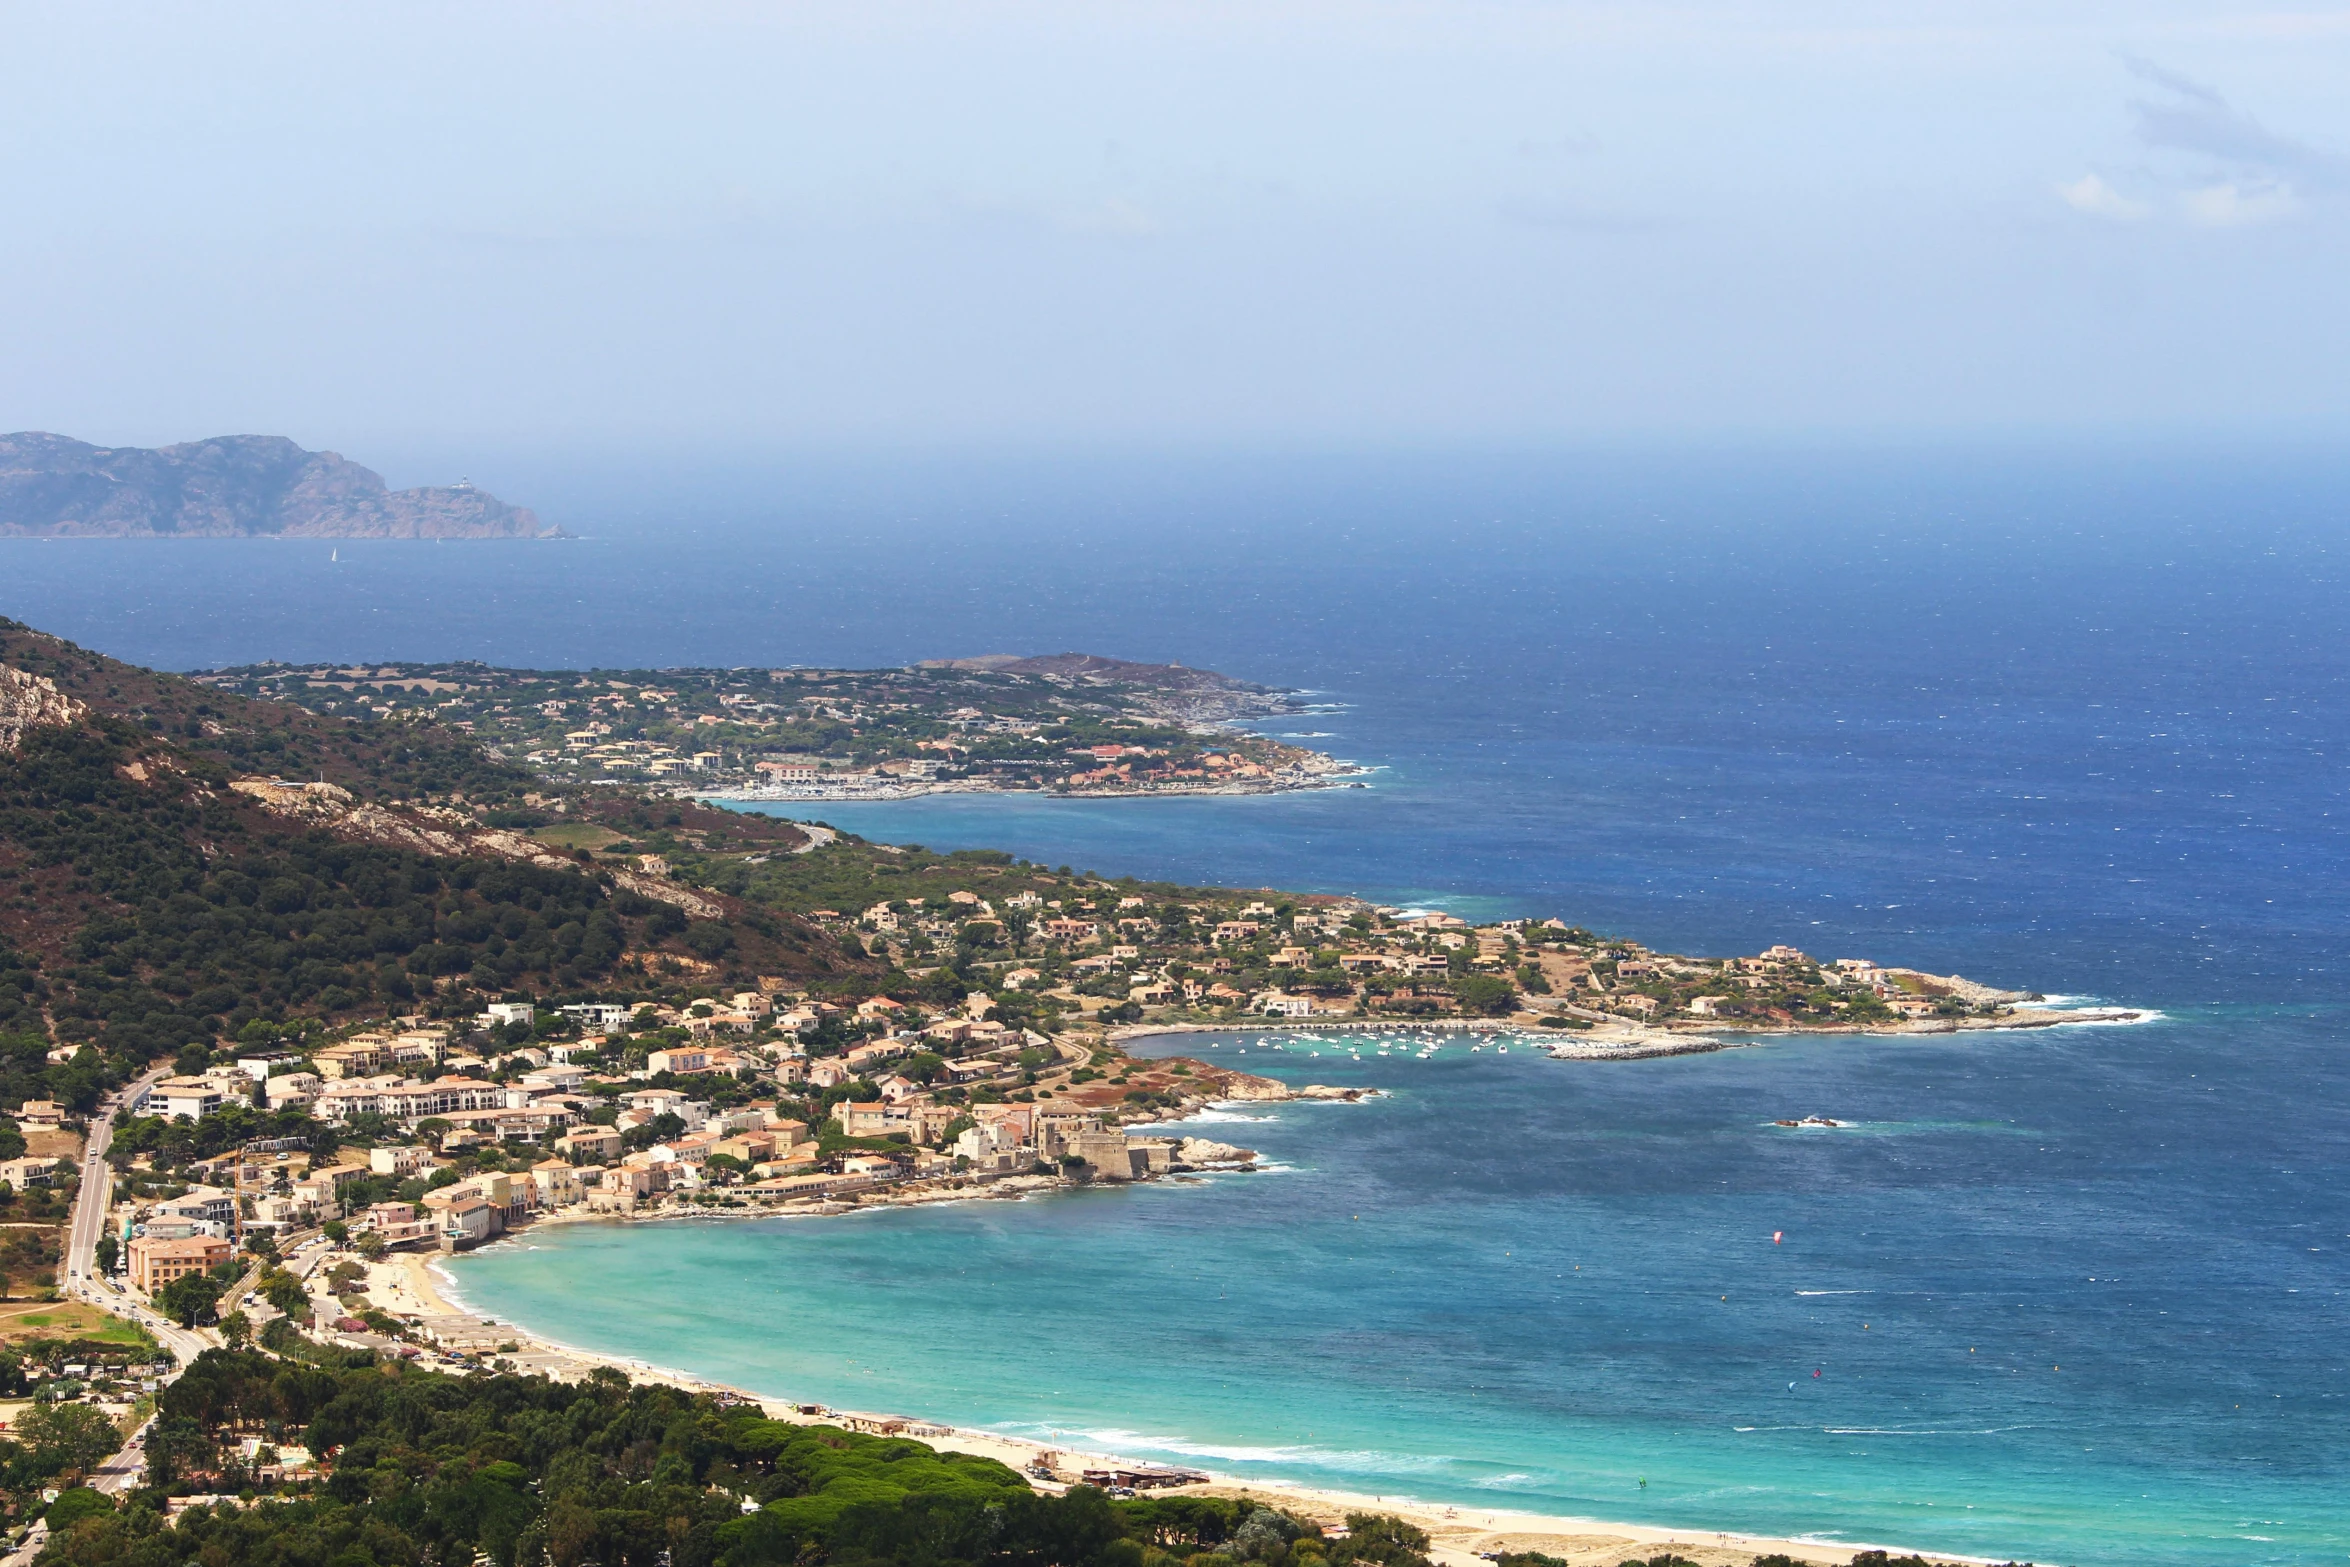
x=1554, y=1287
x=2066, y=719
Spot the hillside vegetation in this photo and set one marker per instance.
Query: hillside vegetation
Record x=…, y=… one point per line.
x=149, y=906
x=521, y=1470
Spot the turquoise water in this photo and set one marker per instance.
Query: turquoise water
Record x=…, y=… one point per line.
x=2067, y=720
x=1525, y=1284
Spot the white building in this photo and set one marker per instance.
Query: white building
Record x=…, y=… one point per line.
x=291, y=1088
x=184, y=1098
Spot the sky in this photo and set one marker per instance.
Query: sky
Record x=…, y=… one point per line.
x=877, y=226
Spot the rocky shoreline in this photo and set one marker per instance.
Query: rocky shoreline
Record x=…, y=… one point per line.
x=1344, y=777
x=1618, y=1040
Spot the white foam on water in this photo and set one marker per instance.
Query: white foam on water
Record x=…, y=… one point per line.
x=1913, y=1431
x=1116, y=1438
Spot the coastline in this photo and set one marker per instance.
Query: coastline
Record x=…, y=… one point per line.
x=1460, y=1537
x=1348, y=777
x=1625, y=1040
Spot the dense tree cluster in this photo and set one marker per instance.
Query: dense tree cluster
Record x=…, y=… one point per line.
x=196, y=919
x=204, y=921
x=176, y=1144
x=53, y=1439
x=429, y=1469
x=20, y=993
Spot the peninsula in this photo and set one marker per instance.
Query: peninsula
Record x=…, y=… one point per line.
x=518, y=998
x=229, y=487
x=1066, y=723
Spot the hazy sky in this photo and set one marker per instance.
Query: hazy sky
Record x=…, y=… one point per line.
x=779, y=226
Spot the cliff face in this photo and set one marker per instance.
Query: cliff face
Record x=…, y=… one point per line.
x=232, y=486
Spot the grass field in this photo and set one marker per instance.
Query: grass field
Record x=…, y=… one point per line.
x=23, y=1319
x=577, y=835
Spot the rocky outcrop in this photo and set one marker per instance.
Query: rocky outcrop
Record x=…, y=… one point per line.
x=232, y=486
x=28, y=702
x=1965, y=989
x=1200, y=1153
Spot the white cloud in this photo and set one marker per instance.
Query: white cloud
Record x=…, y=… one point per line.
x=2228, y=205
x=2092, y=195
x=2194, y=119
x=2209, y=164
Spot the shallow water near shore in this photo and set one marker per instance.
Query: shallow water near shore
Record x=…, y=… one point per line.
x=1527, y=1284
x=2069, y=723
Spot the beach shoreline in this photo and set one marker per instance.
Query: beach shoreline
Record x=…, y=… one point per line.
x=425, y=1287
x=1461, y=1537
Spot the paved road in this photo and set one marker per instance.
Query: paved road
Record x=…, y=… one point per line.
x=90, y=1208
x=97, y=1192
x=185, y=1344
x=127, y=1468
x=33, y=1541
x=124, y=1470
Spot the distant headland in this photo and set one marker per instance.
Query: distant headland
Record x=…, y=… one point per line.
x=229, y=487
x=1061, y=723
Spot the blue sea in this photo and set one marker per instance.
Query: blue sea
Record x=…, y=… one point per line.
x=2068, y=719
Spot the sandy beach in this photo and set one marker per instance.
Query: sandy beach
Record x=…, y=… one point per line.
x=412, y=1285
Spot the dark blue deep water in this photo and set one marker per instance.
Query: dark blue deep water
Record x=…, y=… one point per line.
x=2065, y=720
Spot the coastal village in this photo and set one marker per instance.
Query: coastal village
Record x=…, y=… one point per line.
x=447, y=1133
x=1065, y=724
x=292, y=1189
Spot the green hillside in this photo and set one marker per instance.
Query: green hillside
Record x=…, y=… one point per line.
x=147, y=906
